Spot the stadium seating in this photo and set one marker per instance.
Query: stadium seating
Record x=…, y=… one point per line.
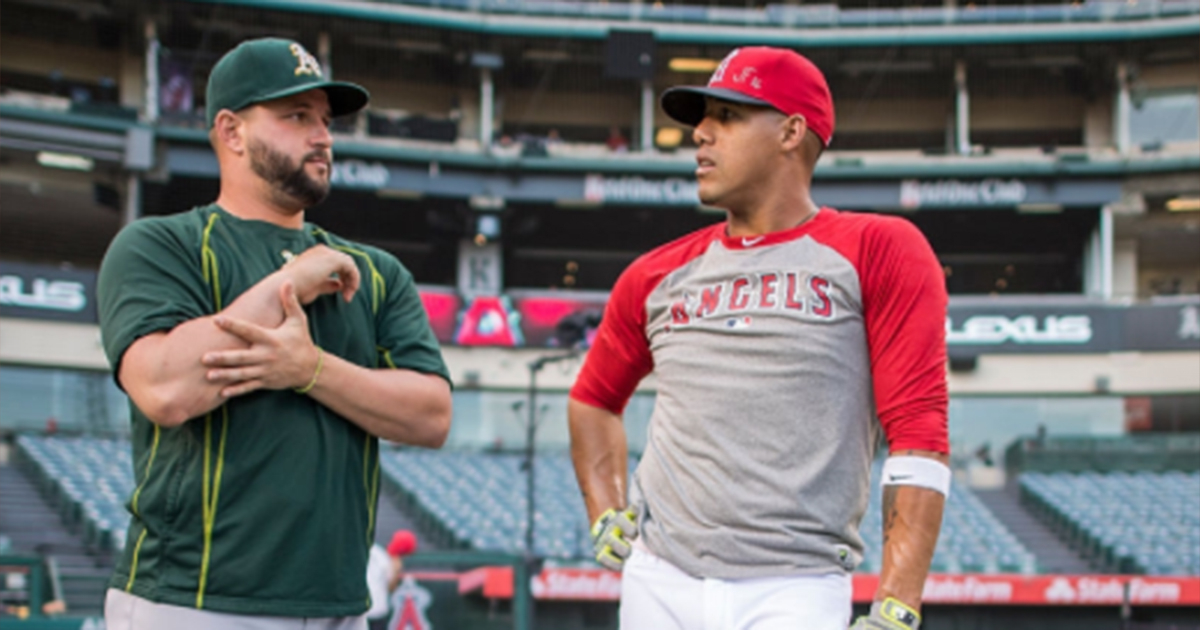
x=1140, y=522
x=479, y=501
x=89, y=480
x=972, y=540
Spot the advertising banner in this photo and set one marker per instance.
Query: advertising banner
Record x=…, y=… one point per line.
x=45, y=292
x=549, y=319
x=582, y=584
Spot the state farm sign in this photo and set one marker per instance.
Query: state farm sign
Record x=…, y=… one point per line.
x=1002, y=590
x=577, y=584
x=967, y=589
x=1111, y=590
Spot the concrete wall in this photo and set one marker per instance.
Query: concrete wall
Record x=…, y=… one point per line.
x=1098, y=123
x=912, y=114
x=584, y=109
x=416, y=98
x=1168, y=76
x=1150, y=277
x=1125, y=268
x=36, y=56
x=1027, y=113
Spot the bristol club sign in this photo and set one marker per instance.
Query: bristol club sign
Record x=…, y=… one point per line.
x=636, y=189
x=359, y=174
x=957, y=193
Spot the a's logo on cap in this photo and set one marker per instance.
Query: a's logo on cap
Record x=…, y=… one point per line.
x=719, y=74
x=307, y=64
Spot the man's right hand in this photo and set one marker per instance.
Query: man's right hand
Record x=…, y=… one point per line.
x=321, y=270
x=611, y=534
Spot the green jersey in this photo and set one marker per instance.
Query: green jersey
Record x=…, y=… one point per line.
x=266, y=505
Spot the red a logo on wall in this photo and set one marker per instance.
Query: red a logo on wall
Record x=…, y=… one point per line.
x=409, y=602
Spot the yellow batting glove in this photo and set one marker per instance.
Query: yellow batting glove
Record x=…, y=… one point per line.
x=890, y=614
x=611, y=534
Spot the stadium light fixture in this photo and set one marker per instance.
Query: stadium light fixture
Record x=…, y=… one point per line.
x=692, y=64
x=65, y=161
x=1184, y=204
x=668, y=137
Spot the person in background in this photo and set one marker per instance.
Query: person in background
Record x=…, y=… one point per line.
x=385, y=569
x=617, y=142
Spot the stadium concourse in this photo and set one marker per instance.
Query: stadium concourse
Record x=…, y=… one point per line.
x=514, y=158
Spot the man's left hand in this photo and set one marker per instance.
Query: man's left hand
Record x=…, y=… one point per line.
x=890, y=614
x=278, y=358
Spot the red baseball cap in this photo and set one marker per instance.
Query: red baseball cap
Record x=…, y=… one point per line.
x=760, y=75
x=403, y=543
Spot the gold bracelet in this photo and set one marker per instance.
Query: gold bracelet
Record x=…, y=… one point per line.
x=316, y=373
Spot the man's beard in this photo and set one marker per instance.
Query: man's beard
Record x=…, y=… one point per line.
x=285, y=176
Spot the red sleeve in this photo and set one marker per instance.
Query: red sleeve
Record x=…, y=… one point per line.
x=904, y=306
x=620, y=356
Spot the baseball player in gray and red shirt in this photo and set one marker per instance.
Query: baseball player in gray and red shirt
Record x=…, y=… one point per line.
x=783, y=341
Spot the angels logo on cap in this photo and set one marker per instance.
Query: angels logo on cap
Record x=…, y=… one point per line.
x=760, y=75
x=719, y=74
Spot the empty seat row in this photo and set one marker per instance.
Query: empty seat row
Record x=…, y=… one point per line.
x=88, y=479
x=1123, y=522
x=479, y=501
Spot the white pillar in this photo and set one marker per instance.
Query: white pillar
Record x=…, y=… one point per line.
x=1121, y=111
x=1106, y=253
x=150, y=111
x=486, y=107
x=647, y=115
x=324, y=55
x=133, y=199
x=962, y=108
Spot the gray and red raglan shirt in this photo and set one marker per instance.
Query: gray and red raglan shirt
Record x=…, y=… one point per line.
x=778, y=359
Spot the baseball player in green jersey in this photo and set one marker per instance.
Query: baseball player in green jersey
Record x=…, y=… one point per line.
x=264, y=358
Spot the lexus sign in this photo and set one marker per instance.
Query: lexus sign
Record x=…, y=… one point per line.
x=45, y=292
x=1022, y=329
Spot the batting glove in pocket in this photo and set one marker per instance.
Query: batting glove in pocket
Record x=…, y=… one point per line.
x=890, y=614
x=611, y=534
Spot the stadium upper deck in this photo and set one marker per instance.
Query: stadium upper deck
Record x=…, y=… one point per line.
x=1040, y=147
x=1049, y=152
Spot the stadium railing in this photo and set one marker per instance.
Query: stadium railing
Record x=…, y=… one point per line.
x=1104, y=453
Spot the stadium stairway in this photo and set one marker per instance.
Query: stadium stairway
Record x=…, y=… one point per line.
x=35, y=528
x=389, y=517
x=1052, y=553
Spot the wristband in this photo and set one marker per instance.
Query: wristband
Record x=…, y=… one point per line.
x=316, y=373
x=907, y=470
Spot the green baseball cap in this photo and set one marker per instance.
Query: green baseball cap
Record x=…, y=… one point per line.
x=264, y=69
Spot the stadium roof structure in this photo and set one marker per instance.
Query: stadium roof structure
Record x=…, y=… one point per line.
x=17, y=122
x=812, y=26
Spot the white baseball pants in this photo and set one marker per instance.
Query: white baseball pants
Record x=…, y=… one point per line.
x=655, y=595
